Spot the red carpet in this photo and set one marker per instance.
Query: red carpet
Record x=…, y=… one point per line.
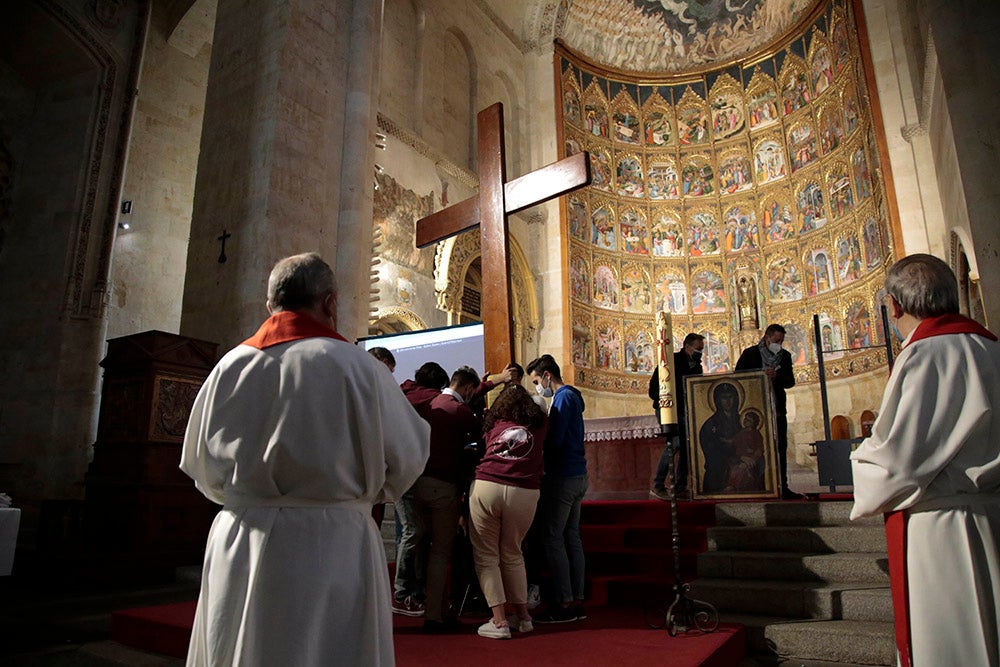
x=609, y=636
x=629, y=564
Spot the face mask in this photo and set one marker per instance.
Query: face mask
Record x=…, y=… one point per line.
x=544, y=392
x=696, y=357
x=775, y=348
x=895, y=331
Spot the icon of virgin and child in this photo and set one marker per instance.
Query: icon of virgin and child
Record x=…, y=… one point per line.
x=732, y=444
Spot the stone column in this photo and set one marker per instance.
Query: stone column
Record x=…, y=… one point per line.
x=281, y=160
x=965, y=35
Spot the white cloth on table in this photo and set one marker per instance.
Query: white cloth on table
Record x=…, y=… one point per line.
x=297, y=441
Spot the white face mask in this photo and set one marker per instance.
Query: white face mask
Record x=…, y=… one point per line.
x=775, y=348
x=543, y=391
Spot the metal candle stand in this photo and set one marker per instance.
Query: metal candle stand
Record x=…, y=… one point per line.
x=684, y=612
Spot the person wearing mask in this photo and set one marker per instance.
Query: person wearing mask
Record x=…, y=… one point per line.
x=776, y=362
x=563, y=486
x=687, y=362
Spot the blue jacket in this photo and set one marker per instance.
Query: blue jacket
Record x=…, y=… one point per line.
x=564, y=451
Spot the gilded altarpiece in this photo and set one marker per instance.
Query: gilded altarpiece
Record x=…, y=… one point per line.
x=732, y=198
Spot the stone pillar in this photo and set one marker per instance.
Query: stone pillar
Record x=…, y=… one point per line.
x=965, y=34
x=281, y=158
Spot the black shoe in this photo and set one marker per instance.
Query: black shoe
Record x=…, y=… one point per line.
x=445, y=627
x=578, y=609
x=557, y=614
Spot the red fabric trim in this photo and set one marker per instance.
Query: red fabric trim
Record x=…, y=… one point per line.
x=289, y=325
x=952, y=323
x=895, y=535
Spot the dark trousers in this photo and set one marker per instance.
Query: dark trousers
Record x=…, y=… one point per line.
x=782, y=420
x=680, y=472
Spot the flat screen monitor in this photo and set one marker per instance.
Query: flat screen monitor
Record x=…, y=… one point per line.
x=450, y=347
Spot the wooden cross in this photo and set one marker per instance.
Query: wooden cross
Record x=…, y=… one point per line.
x=496, y=200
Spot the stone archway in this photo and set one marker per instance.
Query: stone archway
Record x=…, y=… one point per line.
x=456, y=256
x=395, y=320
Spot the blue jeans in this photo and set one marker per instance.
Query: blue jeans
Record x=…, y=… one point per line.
x=681, y=470
x=559, y=510
x=411, y=548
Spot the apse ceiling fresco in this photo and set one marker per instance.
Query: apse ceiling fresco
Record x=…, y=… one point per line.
x=676, y=36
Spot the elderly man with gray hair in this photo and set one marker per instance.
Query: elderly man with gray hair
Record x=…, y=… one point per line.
x=297, y=433
x=932, y=465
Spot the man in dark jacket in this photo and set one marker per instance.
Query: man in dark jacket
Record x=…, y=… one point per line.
x=686, y=362
x=777, y=365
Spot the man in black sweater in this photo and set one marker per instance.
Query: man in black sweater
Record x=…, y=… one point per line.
x=686, y=362
x=777, y=365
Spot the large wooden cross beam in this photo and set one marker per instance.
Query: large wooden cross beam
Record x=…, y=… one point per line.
x=496, y=200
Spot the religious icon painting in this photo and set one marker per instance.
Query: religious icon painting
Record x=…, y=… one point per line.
x=717, y=358
x=820, y=64
x=579, y=220
x=635, y=233
x=862, y=176
x=742, y=232
x=831, y=131
x=830, y=337
x=810, y=207
x=708, y=291
x=640, y=350
x=667, y=234
x=571, y=146
x=625, y=121
x=734, y=172
x=859, y=326
x=602, y=227
x=629, y=181
x=662, y=181
x=703, y=233
x=794, y=85
x=606, y=290
x=607, y=344
x=692, y=119
x=670, y=292
x=776, y=220
x=572, y=109
x=697, y=176
x=849, y=266
x=784, y=279
x=728, y=116
x=658, y=129
x=802, y=145
x=583, y=342
x=595, y=110
x=579, y=278
x=600, y=168
x=798, y=343
x=872, y=236
x=762, y=101
x=839, y=186
x=637, y=295
x=732, y=442
x=768, y=159
x=819, y=271
x=841, y=43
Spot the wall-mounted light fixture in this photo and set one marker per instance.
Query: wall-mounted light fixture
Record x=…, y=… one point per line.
x=125, y=219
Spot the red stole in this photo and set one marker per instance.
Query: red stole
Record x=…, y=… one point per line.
x=289, y=325
x=895, y=522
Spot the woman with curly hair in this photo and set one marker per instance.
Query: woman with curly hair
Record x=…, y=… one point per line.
x=502, y=504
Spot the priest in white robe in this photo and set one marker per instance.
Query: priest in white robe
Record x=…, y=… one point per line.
x=932, y=464
x=297, y=433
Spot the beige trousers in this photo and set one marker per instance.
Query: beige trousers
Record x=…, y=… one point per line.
x=501, y=516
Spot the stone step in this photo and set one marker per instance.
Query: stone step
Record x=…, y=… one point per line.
x=798, y=599
x=866, y=604
x=774, y=641
x=819, y=539
x=806, y=513
x=862, y=642
x=827, y=567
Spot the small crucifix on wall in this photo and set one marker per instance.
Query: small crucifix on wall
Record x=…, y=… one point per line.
x=222, y=254
x=496, y=200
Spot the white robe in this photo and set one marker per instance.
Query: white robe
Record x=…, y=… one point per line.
x=297, y=441
x=935, y=452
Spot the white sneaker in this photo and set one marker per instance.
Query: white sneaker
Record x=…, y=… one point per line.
x=534, y=596
x=488, y=629
x=518, y=624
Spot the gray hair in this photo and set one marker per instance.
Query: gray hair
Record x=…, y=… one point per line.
x=299, y=282
x=923, y=285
